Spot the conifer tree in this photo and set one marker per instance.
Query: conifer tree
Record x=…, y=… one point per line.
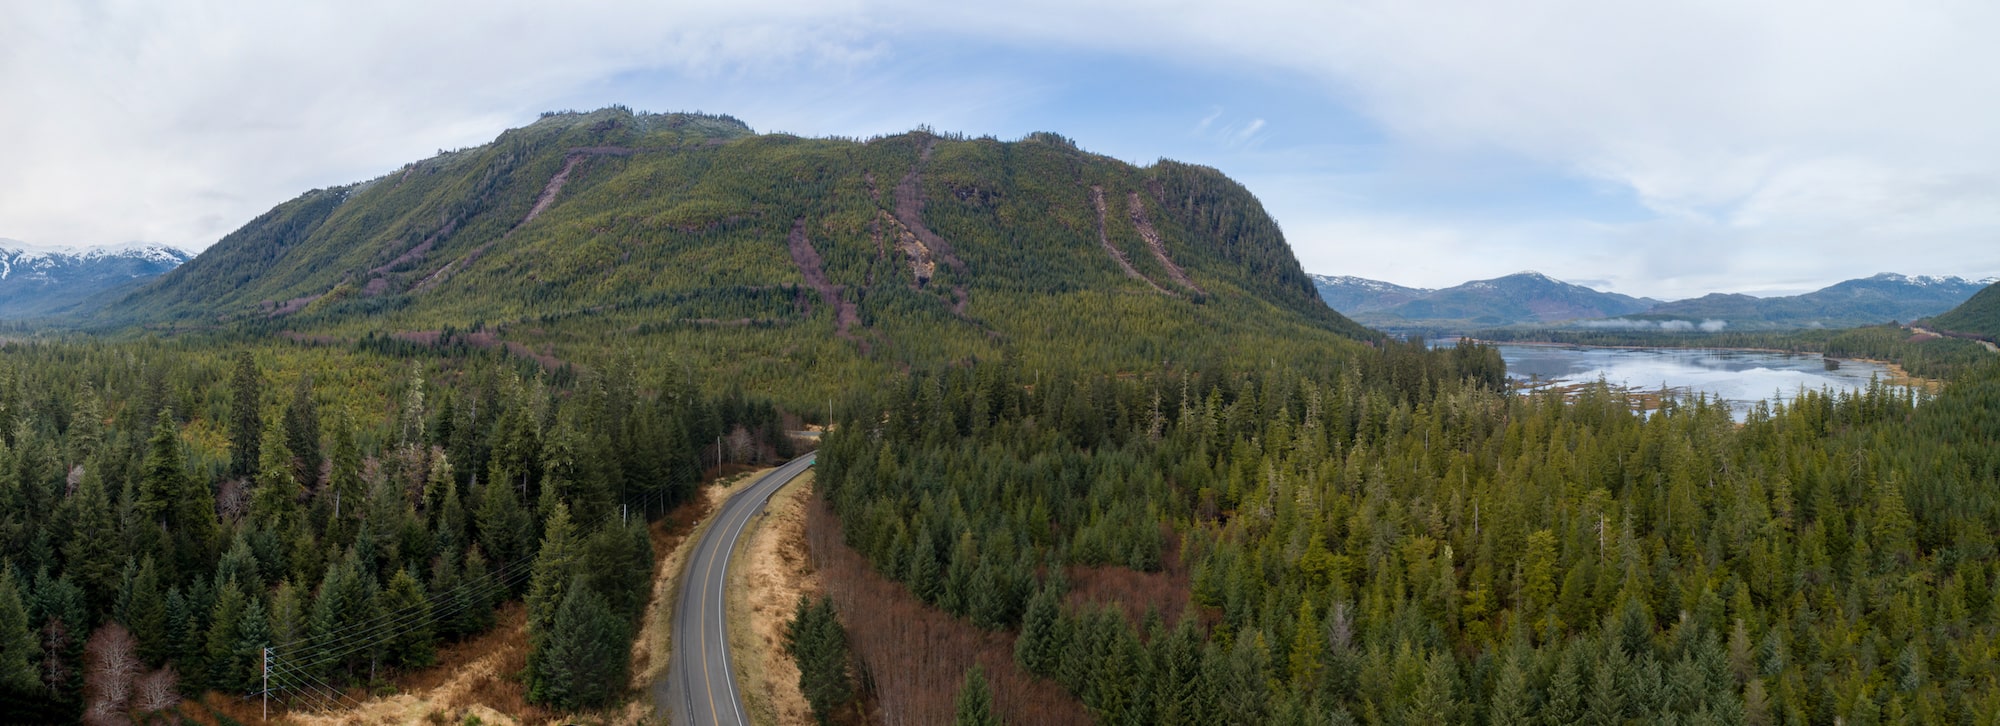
x=146, y=612
x=302, y=434
x=1510, y=702
x=253, y=635
x=344, y=485
x=816, y=640
x=91, y=554
x=1035, y=648
x=1305, y=663
x=274, y=504
x=164, y=478
x=1565, y=698
x=246, y=418
x=975, y=701
x=585, y=656
x=20, y=650
x=411, y=646
x=224, y=634
x=555, y=572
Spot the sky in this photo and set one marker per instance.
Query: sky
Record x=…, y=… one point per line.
x=1658, y=149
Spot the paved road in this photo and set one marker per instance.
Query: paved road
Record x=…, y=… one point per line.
x=700, y=688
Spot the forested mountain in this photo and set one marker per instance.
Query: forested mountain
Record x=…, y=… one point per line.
x=1887, y=297
x=36, y=282
x=1520, y=298
x=760, y=253
x=1978, y=316
x=1354, y=295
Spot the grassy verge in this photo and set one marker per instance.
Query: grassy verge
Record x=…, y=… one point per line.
x=767, y=572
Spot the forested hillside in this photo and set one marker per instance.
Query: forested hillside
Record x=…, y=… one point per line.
x=793, y=264
x=1978, y=316
x=169, y=510
x=1393, y=539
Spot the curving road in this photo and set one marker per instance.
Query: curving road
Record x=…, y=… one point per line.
x=700, y=687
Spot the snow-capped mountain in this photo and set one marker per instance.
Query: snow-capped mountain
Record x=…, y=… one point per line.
x=38, y=281
x=1351, y=295
x=1865, y=301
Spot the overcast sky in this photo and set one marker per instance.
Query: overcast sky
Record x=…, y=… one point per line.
x=1665, y=149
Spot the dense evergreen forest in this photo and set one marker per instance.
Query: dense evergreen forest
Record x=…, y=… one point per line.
x=1393, y=538
x=169, y=510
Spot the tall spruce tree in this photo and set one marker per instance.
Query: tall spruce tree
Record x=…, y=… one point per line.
x=246, y=416
x=554, y=573
x=974, y=706
x=816, y=640
x=585, y=656
x=20, y=650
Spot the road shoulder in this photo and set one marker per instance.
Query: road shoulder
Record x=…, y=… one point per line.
x=769, y=569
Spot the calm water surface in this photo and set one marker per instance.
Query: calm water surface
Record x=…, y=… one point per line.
x=1740, y=377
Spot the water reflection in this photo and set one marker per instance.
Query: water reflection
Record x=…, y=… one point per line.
x=1739, y=377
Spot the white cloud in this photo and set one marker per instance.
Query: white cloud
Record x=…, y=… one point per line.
x=1777, y=144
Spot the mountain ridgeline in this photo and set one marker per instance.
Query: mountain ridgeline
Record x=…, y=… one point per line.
x=691, y=234
x=1530, y=299
x=1525, y=297
x=36, y=283
x=1882, y=298
x=1978, y=316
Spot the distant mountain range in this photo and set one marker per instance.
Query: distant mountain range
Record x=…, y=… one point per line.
x=1533, y=299
x=1868, y=301
x=39, y=281
x=1517, y=299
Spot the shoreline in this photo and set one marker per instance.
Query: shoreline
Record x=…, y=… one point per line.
x=1897, y=376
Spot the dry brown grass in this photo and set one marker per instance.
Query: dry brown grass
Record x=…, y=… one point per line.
x=672, y=535
x=771, y=568
x=477, y=677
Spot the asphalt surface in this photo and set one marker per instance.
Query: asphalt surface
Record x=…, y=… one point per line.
x=700, y=687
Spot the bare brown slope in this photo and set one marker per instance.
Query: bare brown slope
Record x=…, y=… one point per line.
x=1137, y=209
x=929, y=246
x=807, y=260
x=1117, y=255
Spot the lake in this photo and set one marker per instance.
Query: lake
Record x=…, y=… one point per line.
x=1740, y=377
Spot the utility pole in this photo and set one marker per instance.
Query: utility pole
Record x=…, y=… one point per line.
x=267, y=684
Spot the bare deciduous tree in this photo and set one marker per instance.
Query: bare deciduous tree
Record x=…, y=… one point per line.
x=741, y=444
x=913, y=656
x=158, y=690
x=111, y=661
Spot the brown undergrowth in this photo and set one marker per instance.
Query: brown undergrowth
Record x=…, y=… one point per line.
x=1135, y=593
x=915, y=656
x=480, y=677
x=771, y=570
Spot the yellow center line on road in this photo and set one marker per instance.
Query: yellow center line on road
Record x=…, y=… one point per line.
x=708, y=570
